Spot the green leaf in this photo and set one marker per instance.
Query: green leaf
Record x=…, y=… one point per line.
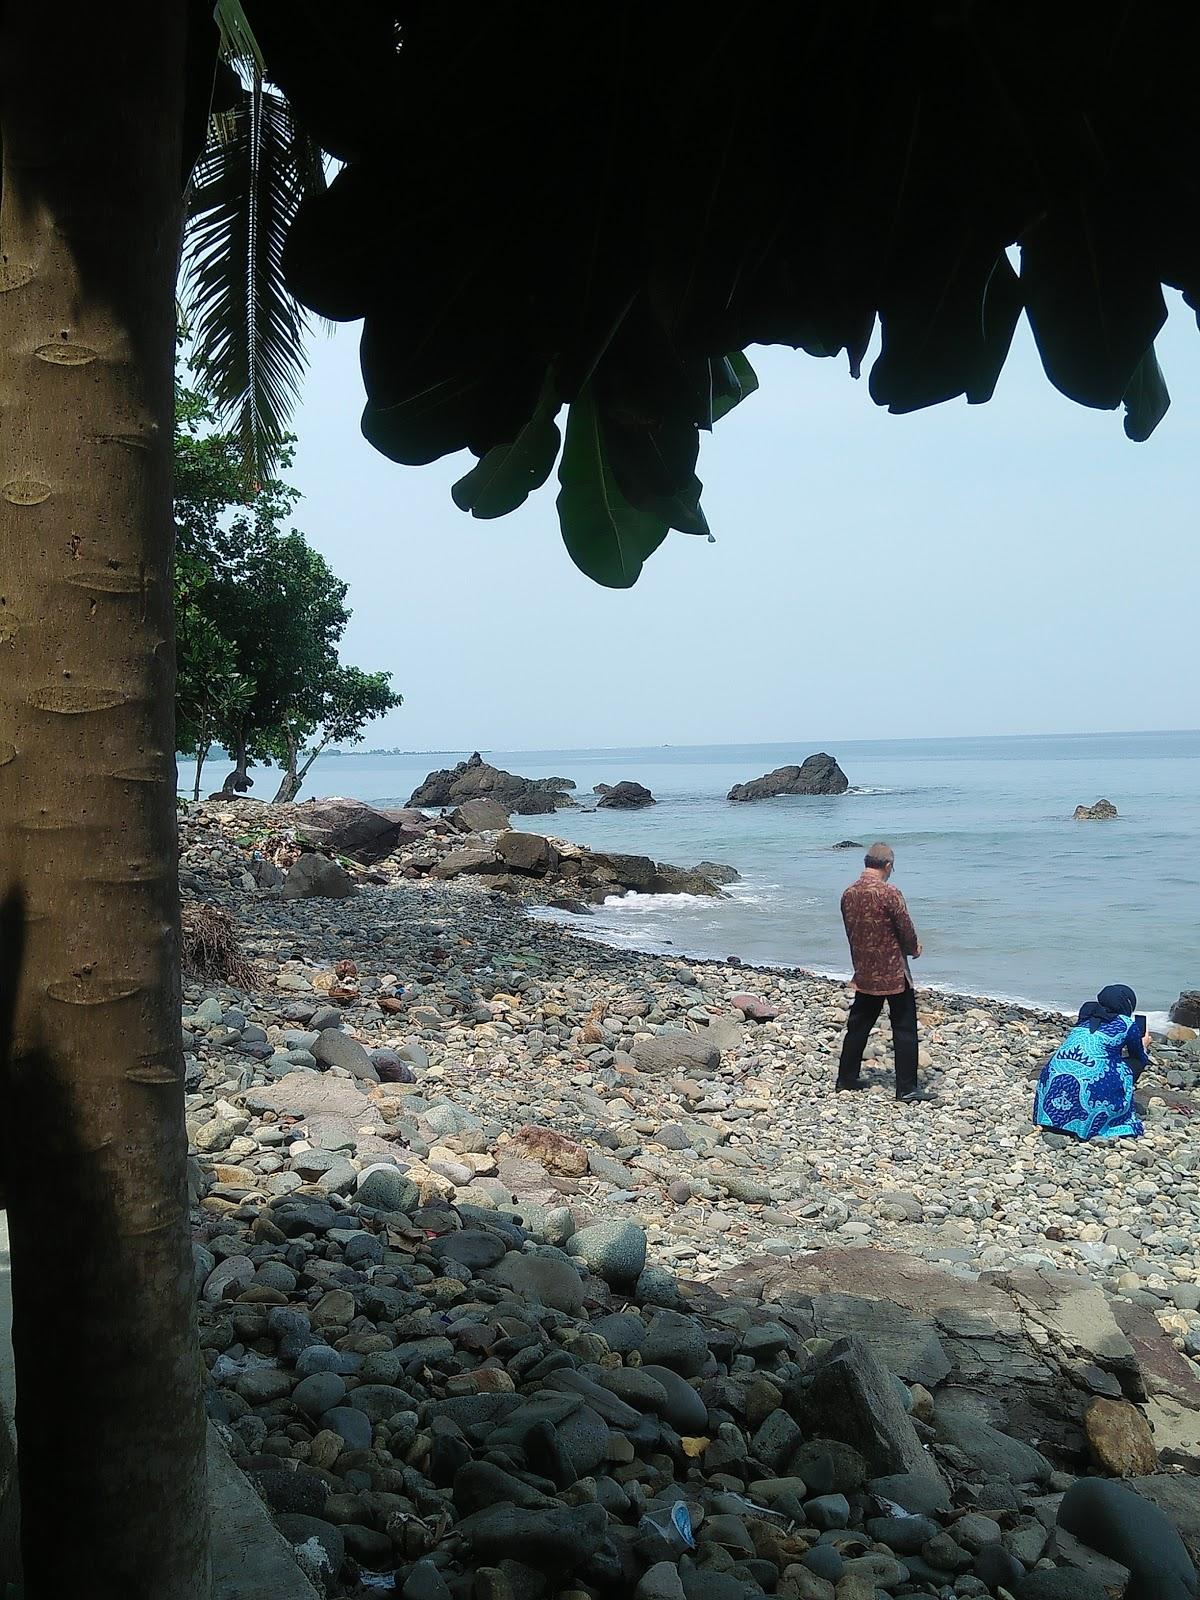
x=606, y=537
x=654, y=465
x=1146, y=400
x=733, y=379
x=509, y=473
x=1094, y=304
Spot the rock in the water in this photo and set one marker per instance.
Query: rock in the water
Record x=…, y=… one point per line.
x=1119, y=1438
x=1186, y=1010
x=474, y=778
x=819, y=774
x=1124, y=1526
x=614, y=1251
x=1102, y=811
x=316, y=877
x=626, y=796
x=717, y=872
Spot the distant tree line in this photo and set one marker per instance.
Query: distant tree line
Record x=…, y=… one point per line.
x=259, y=615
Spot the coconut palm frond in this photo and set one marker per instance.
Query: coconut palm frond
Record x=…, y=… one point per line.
x=248, y=331
x=237, y=36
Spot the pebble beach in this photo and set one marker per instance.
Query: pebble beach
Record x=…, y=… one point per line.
x=429, y=1051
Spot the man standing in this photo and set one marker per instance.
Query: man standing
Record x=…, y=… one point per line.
x=882, y=938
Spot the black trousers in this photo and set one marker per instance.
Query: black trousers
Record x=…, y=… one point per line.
x=864, y=1014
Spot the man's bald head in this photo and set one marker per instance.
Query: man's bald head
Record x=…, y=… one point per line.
x=881, y=857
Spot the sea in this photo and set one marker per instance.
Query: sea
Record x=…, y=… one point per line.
x=1011, y=897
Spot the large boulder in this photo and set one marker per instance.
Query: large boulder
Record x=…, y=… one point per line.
x=484, y=815
x=1102, y=811
x=853, y=1397
x=476, y=778
x=819, y=774
x=527, y=852
x=316, y=877
x=457, y=862
x=352, y=828
x=1125, y=1527
x=637, y=873
x=626, y=796
x=681, y=880
x=1186, y=1010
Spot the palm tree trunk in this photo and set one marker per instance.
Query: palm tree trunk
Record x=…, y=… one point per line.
x=95, y=1147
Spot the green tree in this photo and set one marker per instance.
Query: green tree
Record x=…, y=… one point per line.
x=350, y=700
x=283, y=611
x=210, y=693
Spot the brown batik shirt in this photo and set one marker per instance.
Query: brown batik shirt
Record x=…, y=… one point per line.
x=881, y=935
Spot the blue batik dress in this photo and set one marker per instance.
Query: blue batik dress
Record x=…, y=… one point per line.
x=1086, y=1088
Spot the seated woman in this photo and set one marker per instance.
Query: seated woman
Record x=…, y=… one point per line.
x=1086, y=1088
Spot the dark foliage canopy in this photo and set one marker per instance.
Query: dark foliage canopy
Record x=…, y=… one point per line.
x=601, y=205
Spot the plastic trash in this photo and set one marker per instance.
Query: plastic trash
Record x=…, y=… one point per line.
x=673, y=1525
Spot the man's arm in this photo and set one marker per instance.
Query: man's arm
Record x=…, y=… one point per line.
x=903, y=925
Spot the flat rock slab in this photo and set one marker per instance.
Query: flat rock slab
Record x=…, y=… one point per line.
x=1165, y=1372
x=906, y=1343
x=1077, y=1316
x=313, y=1094
x=960, y=1306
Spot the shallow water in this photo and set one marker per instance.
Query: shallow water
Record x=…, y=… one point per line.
x=1011, y=897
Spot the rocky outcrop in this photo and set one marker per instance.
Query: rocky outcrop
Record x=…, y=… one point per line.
x=717, y=872
x=475, y=778
x=1102, y=811
x=351, y=827
x=1186, y=1010
x=819, y=774
x=626, y=796
x=849, y=844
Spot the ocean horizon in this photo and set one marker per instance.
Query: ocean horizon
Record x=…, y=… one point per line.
x=1012, y=898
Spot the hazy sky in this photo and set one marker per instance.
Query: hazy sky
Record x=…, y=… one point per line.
x=1018, y=567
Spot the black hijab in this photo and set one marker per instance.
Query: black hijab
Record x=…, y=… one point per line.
x=1117, y=1000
